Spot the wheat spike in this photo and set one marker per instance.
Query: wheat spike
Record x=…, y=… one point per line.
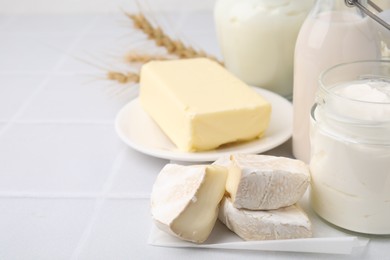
x=143, y=58
x=129, y=77
x=156, y=34
x=173, y=47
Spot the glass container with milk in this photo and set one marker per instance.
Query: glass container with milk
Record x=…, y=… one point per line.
x=350, y=145
x=257, y=40
x=333, y=33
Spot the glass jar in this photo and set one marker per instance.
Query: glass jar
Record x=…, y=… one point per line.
x=333, y=33
x=257, y=40
x=384, y=33
x=350, y=146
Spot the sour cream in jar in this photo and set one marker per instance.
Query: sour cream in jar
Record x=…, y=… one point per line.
x=350, y=147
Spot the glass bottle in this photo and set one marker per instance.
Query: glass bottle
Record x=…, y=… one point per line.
x=257, y=40
x=333, y=33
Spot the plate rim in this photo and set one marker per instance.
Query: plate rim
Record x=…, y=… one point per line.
x=205, y=156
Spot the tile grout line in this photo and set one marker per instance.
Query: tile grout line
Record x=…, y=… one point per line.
x=44, y=82
x=45, y=72
x=19, y=112
x=99, y=204
x=62, y=121
x=72, y=195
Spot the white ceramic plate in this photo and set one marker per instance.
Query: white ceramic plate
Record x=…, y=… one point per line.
x=139, y=131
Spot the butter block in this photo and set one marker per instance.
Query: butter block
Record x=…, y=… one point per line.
x=284, y=223
x=199, y=105
x=185, y=200
x=263, y=182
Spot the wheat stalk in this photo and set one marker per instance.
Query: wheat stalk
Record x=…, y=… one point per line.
x=129, y=77
x=143, y=58
x=175, y=47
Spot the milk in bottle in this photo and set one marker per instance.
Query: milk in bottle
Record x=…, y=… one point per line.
x=257, y=40
x=331, y=34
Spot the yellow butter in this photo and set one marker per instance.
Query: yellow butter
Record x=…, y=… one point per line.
x=199, y=105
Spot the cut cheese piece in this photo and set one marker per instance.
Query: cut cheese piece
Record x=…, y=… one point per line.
x=284, y=223
x=185, y=199
x=199, y=105
x=262, y=182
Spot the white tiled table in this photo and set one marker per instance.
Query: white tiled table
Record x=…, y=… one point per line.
x=69, y=188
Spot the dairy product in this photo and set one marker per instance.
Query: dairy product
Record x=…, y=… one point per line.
x=384, y=33
x=199, y=105
x=285, y=223
x=262, y=182
x=326, y=39
x=384, y=4
x=385, y=16
x=257, y=40
x=185, y=199
x=351, y=156
x=370, y=92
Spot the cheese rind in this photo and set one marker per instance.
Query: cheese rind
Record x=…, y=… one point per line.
x=263, y=182
x=199, y=105
x=185, y=200
x=284, y=223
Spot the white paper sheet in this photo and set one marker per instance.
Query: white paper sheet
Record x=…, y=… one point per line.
x=326, y=239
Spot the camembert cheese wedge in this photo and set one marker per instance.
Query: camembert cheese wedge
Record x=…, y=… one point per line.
x=199, y=105
x=263, y=182
x=284, y=223
x=185, y=200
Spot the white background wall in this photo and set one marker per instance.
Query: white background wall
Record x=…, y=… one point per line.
x=100, y=6
x=112, y=6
